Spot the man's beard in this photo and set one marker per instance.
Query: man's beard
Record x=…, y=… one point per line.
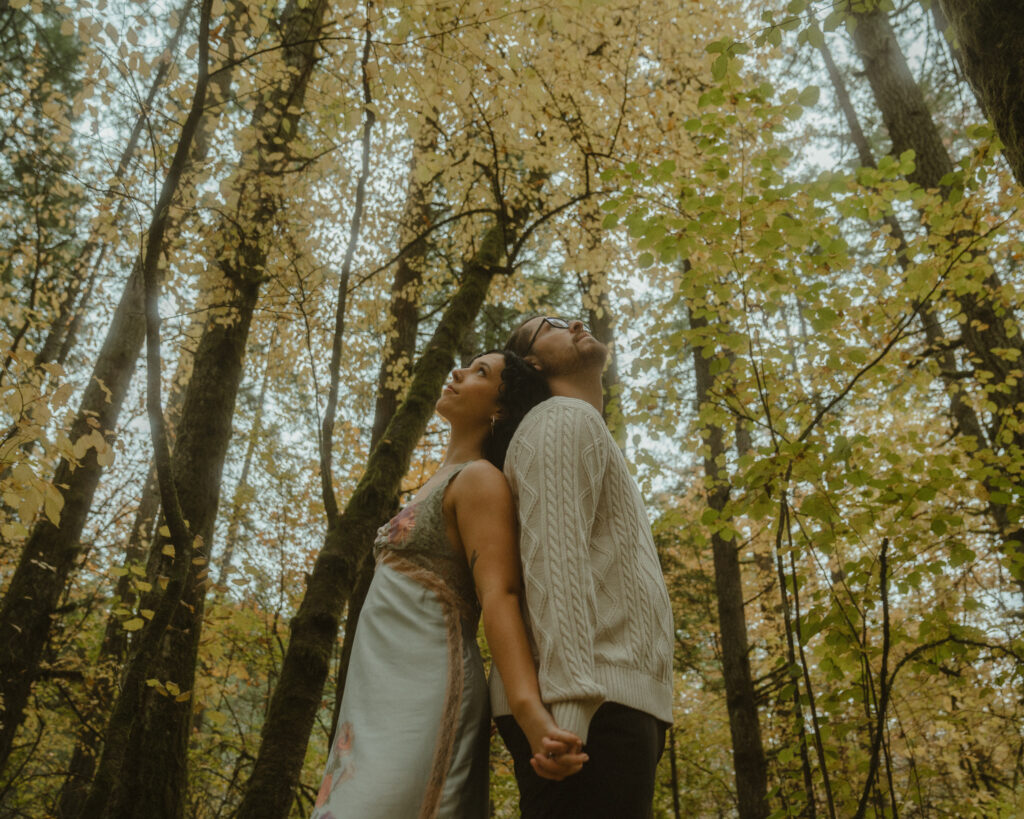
x=591, y=356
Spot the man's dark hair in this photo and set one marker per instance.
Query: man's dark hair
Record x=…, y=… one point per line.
x=520, y=337
x=522, y=388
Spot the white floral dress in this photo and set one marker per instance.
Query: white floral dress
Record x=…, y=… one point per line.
x=412, y=734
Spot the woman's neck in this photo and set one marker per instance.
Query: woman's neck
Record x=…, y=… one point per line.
x=463, y=447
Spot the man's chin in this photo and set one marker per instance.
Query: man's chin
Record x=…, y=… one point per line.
x=592, y=352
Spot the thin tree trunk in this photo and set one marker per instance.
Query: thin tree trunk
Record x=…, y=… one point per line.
x=399, y=353
x=101, y=692
x=748, y=752
x=593, y=285
x=314, y=628
x=50, y=552
x=240, y=499
x=59, y=341
x=674, y=772
x=103, y=792
x=153, y=770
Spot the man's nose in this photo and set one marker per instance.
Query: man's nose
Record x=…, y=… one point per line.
x=576, y=325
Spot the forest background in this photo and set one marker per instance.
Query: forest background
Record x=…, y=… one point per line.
x=244, y=242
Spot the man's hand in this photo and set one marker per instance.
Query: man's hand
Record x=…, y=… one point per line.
x=556, y=753
x=561, y=758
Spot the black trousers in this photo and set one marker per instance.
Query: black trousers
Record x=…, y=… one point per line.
x=617, y=782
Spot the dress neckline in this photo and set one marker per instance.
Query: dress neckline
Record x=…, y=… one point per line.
x=422, y=496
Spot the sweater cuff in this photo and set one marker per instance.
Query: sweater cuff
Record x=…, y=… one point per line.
x=575, y=715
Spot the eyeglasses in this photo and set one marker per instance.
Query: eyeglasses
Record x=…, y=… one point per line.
x=554, y=321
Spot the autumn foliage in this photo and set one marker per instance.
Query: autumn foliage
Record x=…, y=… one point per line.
x=241, y=245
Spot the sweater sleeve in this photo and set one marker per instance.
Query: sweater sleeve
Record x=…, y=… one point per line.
x=556, y=466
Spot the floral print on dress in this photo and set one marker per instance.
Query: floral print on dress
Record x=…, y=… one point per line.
x=339, y=768
x=396, y=531
x=402, y=524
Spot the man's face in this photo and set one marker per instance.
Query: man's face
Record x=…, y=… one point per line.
x=563, y=350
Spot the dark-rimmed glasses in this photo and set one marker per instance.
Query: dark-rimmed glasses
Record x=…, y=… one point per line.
x=555, y=321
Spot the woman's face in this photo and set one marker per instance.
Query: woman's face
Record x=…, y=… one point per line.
x=471, y=394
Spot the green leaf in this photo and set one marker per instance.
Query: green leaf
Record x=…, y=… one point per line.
x=809, y=96
x=720, y=67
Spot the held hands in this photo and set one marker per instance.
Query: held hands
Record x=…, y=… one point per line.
x=557, y=754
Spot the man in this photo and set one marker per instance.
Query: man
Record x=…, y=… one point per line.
x=596, y=604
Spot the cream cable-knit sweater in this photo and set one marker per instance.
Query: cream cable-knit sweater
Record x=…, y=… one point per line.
x=597, y=609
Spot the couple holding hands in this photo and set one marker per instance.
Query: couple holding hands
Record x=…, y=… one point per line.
x=533, y=523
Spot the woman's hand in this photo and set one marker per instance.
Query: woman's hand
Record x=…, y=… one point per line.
x=556, y=753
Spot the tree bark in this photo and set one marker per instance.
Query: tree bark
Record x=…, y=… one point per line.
x=152, y=777
x=593, y=285
x=241, y=497
x=50, y=552
x=748, y=752
x=314, y=628
x=399, y=353
x=105, y=788
x=100, y=694
x=989, y=35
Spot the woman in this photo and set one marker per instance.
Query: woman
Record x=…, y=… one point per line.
x=412, y=736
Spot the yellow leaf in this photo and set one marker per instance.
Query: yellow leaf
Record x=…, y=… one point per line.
x=54, y=502
x=168, y=550
x=134, y=624
x=215, y=718
x=163, y=531
x=147, y=613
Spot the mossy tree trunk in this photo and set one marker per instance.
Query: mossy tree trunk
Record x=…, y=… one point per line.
x=151, y=777
x=296, y=699
x=51, y=550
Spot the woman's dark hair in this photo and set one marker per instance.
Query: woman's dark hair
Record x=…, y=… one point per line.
x=522, y=388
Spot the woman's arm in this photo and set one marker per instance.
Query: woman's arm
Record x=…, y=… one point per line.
x=485, y=520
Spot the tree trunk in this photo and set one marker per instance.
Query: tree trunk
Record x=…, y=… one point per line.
x=396, y=362
x=593, y=286
x=990, y=45
x=50, y=552
x=748, y=752
x=100, y=693
x=241, y=497
x=152, y=778
x=314, y=628
x=990, y=334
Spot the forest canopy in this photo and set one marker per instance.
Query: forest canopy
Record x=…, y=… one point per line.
x=243, y=244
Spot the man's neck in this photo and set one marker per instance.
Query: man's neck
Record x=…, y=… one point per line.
x=584, y=386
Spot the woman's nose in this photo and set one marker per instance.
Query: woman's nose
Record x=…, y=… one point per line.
x=457, y=374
